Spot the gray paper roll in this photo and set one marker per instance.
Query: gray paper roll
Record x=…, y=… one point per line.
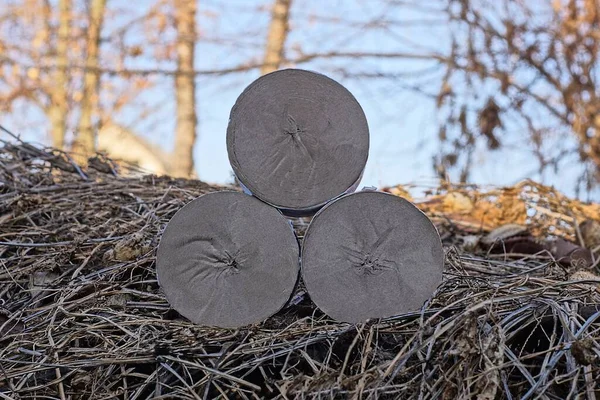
x=227, y=259
x=297, y=139
x=371, y=255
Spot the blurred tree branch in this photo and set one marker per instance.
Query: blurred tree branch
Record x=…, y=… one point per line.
x=142, y=50
x=243, y=67
x=513, y=59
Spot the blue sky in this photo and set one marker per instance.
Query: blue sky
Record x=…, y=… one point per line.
x=403, y=122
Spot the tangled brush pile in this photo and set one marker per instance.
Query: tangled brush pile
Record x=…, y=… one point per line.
x=82, y=316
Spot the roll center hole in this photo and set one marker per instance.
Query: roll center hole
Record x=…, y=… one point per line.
x=370, y=266
x=231, y=264
x=293, y=128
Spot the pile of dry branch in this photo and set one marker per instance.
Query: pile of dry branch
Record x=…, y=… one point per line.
x=82, y=316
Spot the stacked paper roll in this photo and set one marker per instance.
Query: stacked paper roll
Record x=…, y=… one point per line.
x=297, y=139
x=371, y=255
x=298, y=143
x=227, y=259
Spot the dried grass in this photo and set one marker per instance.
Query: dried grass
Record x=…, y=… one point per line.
x=83, y=316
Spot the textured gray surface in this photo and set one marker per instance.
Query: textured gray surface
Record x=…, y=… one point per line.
x=227, y=259
x=297, y=139
x=371, y=255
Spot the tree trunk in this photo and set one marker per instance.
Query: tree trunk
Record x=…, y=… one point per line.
x=185, y=131
x=85, y=141
x=58, y=107
x=278, y=31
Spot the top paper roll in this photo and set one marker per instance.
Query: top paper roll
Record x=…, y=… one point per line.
x=297, y=139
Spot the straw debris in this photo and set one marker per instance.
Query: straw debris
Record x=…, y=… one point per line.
x=82, y=316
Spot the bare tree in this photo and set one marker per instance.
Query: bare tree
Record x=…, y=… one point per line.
x=523, y=66
x=278, y=31
x=58, y=106
x=84, y=144
x=51, y=61
x=185, y=131
x=122, y=84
